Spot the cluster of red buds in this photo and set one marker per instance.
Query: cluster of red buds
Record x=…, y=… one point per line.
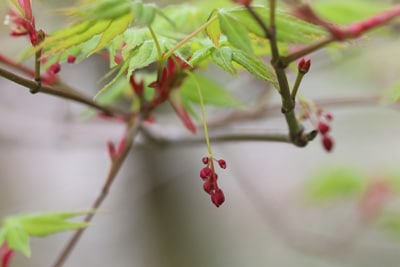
x=24, y=22
x=323, y=127
x=321, y=121
x=210, y=177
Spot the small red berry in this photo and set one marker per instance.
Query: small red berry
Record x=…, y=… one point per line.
x=323, y=128
x=218, y=197
x=327, y=142
x=222, y=163
x=205, y=160
x=71, y=59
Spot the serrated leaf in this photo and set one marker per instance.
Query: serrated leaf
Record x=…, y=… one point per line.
x=236, y=33
x=63, y=34
x=115, y=28
x=222, y=57
x=77, y=39
x=133, y=37
x=289, y=28
x=200, y=55
x=254, y=65
x=109, y=10
x=334, y=183
x=121, y=71
x=213, y=29
x=18, y=240
x=100, y=10
x=212, y=92
x=345, y=12
x=143, y=56
x=114, y=93
x=144, y=13
x=43, y=224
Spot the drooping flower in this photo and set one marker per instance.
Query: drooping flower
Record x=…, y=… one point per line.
x=210, y=179
x=167, y=88
x=20, y=14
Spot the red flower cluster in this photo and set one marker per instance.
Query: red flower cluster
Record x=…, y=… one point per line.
x=323, y=128
x=24, y=22
x=167, y=87
x=209, y=176
x=321, y=121
x=6, y=254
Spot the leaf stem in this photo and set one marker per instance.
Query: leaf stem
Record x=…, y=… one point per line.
x=296, y=85
x=188, y=37
x=161, y=59
x=203, y=111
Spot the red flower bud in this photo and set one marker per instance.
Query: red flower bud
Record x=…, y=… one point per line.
x=54, y=69
x=205, y=173
x=323, y=128
x=304, y=65
x=205, y=160
x=222, y=163
x=327, y=142
x=218, y=197
x=328, y=116
x=208, y=187
x=71, y=59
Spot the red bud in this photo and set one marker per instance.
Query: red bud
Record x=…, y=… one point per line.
x=304, y=65
x=327, y=142
x=323, y=128
x=218, y=197
x=71, y=59
x=222, y=163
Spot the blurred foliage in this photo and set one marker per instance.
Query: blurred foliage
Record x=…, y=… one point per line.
x=334, y=183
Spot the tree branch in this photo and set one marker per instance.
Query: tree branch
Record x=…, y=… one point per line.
x=66, y=94
x=132, y=130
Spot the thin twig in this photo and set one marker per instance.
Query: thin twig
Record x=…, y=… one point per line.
x=133, y=127
x=66, y=94
x=227, y=135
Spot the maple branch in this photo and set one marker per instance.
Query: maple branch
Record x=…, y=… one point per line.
x=61, y=92
x=337, y=33
x=296, y=131
x=132, y=129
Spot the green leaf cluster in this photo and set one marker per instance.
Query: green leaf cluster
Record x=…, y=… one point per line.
x=16, y=230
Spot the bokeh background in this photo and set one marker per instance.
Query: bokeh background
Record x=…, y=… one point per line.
x=157, y=214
